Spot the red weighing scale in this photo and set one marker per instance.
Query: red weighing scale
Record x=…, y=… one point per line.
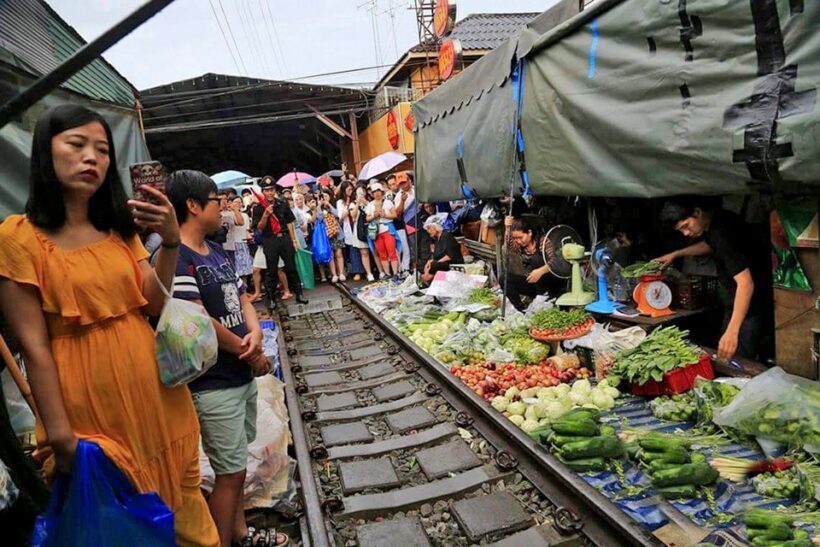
x=652, y=296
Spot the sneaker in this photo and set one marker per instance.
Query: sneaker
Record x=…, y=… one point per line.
x=342, y=278
x=370, y=277
x=395, y=278
x=403, y=275
x=334, y=279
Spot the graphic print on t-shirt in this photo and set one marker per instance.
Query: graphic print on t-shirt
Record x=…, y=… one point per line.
x=207, y=276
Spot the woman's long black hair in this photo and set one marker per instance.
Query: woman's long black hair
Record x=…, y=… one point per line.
x=45, y=208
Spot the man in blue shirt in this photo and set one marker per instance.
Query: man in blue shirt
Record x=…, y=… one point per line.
x=225, y=396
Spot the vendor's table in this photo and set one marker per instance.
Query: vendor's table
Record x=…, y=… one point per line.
x=651, y=323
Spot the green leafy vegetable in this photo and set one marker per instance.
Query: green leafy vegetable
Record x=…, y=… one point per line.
x=665, y=349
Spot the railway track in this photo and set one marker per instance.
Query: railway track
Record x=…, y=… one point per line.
x=395, y=451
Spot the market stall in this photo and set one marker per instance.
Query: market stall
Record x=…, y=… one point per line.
x=624, y=101
x=640, y=417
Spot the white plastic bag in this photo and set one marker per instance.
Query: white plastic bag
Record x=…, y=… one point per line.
x=267, y=473
x=20, y=415
x=776, y=407
x=186, y=343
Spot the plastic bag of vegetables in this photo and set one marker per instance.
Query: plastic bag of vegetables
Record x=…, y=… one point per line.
x=776, y=406
x=186, y=344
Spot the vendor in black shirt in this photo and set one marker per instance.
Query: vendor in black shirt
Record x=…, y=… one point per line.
x=529, y=275
x=273, y=222
x=742, y=266
x=446, y=251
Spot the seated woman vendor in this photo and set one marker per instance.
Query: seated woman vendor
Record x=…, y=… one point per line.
x=446, y=251
x=528, y=271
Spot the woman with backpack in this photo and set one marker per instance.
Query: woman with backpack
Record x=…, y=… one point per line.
x=330, y=215
x=358, y=219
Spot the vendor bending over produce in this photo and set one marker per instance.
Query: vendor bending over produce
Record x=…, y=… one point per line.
x=533, y=280
x=741, y=270
x=447, y=250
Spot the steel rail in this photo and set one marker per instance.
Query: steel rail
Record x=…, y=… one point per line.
x=311, y=503
x=561, y=486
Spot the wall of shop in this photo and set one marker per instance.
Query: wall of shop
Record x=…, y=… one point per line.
x=795, y=315
x=375, y=139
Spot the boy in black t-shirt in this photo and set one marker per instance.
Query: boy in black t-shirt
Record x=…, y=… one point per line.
x=225, y=396
x=742, y=267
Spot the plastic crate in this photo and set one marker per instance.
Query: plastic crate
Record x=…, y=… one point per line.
x=676, y=381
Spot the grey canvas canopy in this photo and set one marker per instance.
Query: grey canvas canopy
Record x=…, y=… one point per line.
x=635, y=98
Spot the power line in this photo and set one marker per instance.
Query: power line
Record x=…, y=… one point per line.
x=276, y=35
x=230, y=31
x=254, y=54
x=227, y=44
x=257, y=42
x=270, y=39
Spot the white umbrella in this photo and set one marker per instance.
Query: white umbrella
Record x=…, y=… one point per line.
x=381, y=164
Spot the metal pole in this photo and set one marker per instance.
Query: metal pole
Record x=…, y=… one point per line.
x=78, y=60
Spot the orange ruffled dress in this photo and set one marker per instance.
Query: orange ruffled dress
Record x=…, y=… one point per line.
x=104, y=350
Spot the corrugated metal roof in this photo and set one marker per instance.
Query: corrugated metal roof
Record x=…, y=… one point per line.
x=40, y=40
x=486, y=30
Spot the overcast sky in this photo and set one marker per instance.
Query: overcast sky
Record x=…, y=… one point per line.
x=275, y=39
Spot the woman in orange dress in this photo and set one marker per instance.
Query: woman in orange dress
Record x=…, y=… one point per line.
x=75, y=285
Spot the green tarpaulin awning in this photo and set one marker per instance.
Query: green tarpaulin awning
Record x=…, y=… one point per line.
x=641, y=99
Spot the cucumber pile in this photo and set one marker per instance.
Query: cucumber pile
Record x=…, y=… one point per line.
x=675, y=471
x=579, y=441
x=770, y=529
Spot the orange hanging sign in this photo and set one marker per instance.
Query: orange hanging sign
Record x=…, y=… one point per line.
x=448, y=55
x=444, y=17
x=393, y=130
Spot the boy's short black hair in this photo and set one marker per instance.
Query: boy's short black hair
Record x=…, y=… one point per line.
x=246, y=192
x=188, y=184
x=680, y=208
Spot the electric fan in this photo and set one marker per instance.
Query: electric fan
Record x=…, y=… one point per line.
x=603, y=262
x=566, y=263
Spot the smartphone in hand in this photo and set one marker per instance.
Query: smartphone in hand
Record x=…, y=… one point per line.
x=149, y=173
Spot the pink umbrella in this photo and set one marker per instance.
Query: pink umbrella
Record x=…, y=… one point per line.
x=293, y=178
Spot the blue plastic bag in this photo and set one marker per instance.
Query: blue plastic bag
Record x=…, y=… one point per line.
x=96, y=506
x=320, y=244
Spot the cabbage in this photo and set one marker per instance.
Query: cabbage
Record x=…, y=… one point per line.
x=529, y=425
x=578, y=399
x=582, y=386
x=511, y=393
x=603, y=383
x=565, y=402
x=612, y=392
x=529, y=393
x=516, y=419
x=599, y=398
x=517, y=408
x=531, y=413
x=546, y=393
x=561, y=390
x=554, y=410
x=500, y=403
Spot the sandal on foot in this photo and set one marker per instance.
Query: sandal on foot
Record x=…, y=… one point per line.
x=267, y=537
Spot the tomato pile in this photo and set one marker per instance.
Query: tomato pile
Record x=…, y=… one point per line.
x=489, y=379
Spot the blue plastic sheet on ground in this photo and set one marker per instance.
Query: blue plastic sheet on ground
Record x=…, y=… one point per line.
x=270, y=343
x=645, y=507
x=96, y=506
